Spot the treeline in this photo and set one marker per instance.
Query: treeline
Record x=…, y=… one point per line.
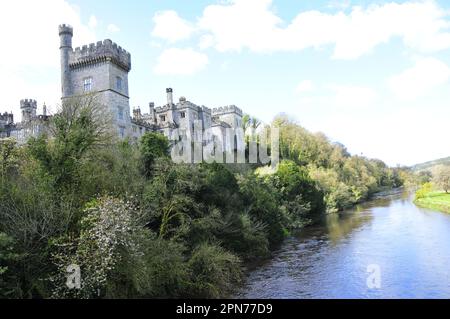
x=345, y=180
x=139, y=225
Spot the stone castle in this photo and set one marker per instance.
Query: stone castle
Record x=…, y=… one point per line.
x=102, y=69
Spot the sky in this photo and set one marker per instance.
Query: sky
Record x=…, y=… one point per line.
x=373, y=75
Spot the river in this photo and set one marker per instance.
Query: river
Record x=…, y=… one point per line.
x=402, y=251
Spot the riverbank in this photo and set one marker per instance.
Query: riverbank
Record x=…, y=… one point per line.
x=435, y=200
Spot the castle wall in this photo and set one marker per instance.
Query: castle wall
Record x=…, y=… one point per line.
x=104, y=62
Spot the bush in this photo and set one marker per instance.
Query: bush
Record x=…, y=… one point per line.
x=423, y=191
x=263, y=205
x=214, y=272
x=110, y=232
x=9, y=281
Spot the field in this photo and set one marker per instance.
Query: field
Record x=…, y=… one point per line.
x=435, y=200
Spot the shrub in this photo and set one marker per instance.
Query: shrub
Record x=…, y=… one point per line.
x=423, y=191
x=214, y=271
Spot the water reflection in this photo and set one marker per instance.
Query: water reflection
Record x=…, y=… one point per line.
x=410, y=245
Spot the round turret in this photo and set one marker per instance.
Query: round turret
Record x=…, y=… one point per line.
x=65, y=47
x=65, y=29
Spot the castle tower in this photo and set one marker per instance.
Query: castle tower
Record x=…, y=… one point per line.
x=65, y=36
x=28, y=108
x=100, y=69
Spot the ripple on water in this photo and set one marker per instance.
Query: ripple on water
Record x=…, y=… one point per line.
x=410, y=245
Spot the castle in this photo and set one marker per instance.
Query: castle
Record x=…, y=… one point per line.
x=102, y=69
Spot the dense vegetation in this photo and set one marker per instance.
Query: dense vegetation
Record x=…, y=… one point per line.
x=139, y=225
x=344, y=179
x=434, y=193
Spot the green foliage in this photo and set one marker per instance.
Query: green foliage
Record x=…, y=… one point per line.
x=142, y=226
x=152, y=146
x=438, y=201
x=294, y=181
x=216, y=271
x=110, y=234
x=263, y=205
x=9, y=159
x=8, y=260
x=423, y=191
x=169, y=198
x=344, y=179
x=81, y=125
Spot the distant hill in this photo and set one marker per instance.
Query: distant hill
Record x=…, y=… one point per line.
x=428, y=165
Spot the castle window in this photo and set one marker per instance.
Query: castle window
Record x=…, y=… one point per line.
x=163, y=118
x=182, y=115
x=122, y=131
x=120, y=113
x=87, y=84
x=119, y=83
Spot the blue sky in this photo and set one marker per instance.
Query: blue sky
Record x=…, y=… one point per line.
x=373, y=75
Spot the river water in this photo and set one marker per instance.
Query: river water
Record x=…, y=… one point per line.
x=386, y=248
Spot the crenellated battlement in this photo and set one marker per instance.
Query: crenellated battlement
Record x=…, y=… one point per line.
x=101, y=51
x=28, y=103
x=206, y=109
x=7, y=118
x=227, y=109
x=160, y=109
x=65, y=29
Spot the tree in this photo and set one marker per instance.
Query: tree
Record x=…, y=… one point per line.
x=169, y=198
x=9, y=286
x=8, y=157
x=250, y=122
x=441, y=177
x=152, y=146
x=82, y=124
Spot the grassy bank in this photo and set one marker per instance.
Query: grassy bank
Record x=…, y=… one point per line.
x=435, y=200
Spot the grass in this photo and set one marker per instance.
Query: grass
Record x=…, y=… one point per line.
x=436, y=201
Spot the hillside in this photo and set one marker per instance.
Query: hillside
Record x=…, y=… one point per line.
x=430, y=164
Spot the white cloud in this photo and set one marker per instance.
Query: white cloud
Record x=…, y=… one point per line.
x=352, y=97
x=29, y=64
x=112, y=28
x=420, y=79
x=304, y=86
x=252, y=24
x=176, y=61
x=244, y=23
x=169, y=26
x=92, y=22
x=206, y=41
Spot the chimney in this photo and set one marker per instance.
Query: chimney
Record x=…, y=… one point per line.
x=44, y=110
x=152, y=112
x=169, y=92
